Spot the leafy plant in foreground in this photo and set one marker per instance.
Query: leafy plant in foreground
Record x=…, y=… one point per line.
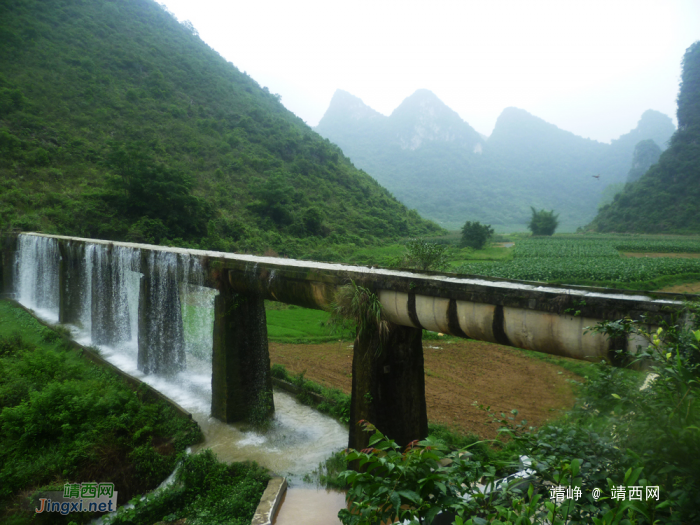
x=620, y=440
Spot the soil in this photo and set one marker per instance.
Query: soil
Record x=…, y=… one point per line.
x=682, y=288
x=667, y=255
x=458, y=375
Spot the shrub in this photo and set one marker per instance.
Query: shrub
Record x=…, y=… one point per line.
x=476, y=235
x=543, y=222
x=425, y=256
x=620, y=437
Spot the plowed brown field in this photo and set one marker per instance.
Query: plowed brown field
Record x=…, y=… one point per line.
x=458, y=373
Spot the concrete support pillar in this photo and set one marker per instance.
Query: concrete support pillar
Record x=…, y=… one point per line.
x=388, y=386
x=7, y=263
x=161, y=332
x=241, y=381
x=70, y=269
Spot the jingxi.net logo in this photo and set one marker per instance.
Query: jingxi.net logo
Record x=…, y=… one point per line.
x=79, y=497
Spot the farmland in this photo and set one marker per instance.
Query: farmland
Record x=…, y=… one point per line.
x=649, y=262
x=596, y=260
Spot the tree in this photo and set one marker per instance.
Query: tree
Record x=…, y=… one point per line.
x=274, y=198
x=543, y=222
x=476, y=235
x=313, y=220
x=425, y=256
x=156, y=197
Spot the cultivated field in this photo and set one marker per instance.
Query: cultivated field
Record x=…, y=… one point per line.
x=601, y=260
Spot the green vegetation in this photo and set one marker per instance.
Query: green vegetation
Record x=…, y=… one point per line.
x=564, y=258
x=204, y=491
x=327, y=474
x=451, y=173
x=360, y=308
x=293, y=324
x=335, y=403
x=665, y=198
x=424, y=256
x=64, y=419
x=476, y=235
x=593, y=261
x=543, y=222
x=617, y=438
x=609, y=193
x=646, y=154
x=118, y=122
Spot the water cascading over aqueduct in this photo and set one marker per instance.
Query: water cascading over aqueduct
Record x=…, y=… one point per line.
x=125, y=291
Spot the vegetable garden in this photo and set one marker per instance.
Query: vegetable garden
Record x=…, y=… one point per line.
x=582, y=260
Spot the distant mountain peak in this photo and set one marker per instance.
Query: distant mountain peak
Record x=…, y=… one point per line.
x=652, y=125
x=346, y=106
x=423, y=103
x=516, y=127
x=423, y=117
x=512, y=116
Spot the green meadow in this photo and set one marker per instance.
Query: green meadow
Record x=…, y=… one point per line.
x=293, y=324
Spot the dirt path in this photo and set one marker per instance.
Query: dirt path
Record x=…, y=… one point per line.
x=655, y=255
x=682, y=288
x=458, y=374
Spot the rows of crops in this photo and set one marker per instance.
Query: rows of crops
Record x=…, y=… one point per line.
x=583, y=259
x=658, y=245
x=567, y=249
x=547, y=269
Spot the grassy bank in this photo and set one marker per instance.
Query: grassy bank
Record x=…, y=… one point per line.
x=205, y=491
x=293, y=324
x=64, y=419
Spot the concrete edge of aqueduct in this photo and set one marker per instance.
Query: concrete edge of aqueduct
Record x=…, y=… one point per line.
x=531, y=316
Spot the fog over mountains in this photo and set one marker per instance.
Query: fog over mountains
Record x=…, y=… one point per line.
x=435, y=162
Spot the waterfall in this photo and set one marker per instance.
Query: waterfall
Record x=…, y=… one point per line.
x=36, y=274
x=77, y=286
x=165, y=312
x=162, y=337
x=197, y=311
x=153, y=309
x=110, y=290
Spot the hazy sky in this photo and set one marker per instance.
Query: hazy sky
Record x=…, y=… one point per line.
x=590, y=67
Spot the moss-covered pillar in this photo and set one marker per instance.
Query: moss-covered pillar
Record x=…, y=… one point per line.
x=70, y=268
x=388, y=386
x=143, y=357
x=7, y=262
x=241, y=383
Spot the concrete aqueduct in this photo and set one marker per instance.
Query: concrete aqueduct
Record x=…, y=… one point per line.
x=86, y=278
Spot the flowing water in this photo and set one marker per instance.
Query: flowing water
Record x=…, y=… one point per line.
x=298, y=438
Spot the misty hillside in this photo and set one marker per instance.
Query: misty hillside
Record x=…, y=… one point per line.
x=118, y=122
x=646, y=154
x=666, y=198
x=432, y=160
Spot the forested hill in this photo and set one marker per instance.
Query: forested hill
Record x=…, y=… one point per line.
x=434, y=161
x=667, y=197
x=118, y=122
